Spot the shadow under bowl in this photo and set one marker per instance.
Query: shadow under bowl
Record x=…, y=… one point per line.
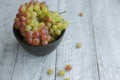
x=37, y=50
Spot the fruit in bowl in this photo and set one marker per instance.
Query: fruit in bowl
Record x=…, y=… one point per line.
x=38, y=29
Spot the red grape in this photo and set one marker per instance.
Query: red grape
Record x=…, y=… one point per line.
x=22, y=9
x=35, y=34
x=48, y=38
x=35, y=42
x=22, y=18
x=29, y=34
x=44, y=43
x=29, y=40
x=17, y=24
x=18, y=15
x=27, y=14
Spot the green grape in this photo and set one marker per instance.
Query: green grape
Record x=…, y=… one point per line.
x=44, y=10
x=28, y=28
x=54, y=27
x=30, y=9
x=31, y=23
x=42, y=16
x=67, y=79
x=39, y=12
x=51, y=31
x=34, y=14
x=36, y=7
x=41, y=24
x=58, y=32
x=35, y=28
x=65, y=24
x=61, y=72
x=59, y=25
x=36, y=24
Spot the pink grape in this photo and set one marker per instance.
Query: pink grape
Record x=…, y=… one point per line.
x=29, y=40
x=36, y=42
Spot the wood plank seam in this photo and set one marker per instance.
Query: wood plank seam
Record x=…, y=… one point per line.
x=93, y=30
x=58, y=3
x=15, y=61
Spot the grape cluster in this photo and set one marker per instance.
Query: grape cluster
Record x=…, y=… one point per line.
x=37, y=24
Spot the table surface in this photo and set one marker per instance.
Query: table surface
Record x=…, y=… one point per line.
x=97, y=30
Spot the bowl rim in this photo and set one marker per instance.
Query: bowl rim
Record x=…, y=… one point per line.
x=50, y=44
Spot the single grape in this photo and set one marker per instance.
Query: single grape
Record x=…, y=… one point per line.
x=59, y=25
x=23, y=24
x=51, y=31
x=30, y=8
x=43, y=37
x=28, y=28
x=29, y=40
x=34, y=14
x=36, y=7
x=58, y=32
x=31, y=23
x=35, y=34
x=35, y=28
x=44, y=43
x=36, y=3
x=39, y=12
x=48, y=24
x=27, y=15
x=48, y=38
x=18, y=15
x=22, y=18
x=42, y=24
x=36, y=41
x=17, y=24
x=54, y=27
x=44, y=10
x=22, y=9
x=29, y=34
x=42, y=4
x=48, y=19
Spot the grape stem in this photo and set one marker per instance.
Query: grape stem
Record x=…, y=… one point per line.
x=63, y=12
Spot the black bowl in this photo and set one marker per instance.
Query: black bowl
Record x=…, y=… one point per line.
x=37, y=50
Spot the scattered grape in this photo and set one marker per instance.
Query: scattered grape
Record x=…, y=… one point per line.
x=61, y=72
x=67, y=79
x=68, y=67
x=78, y=45
x=50, y=71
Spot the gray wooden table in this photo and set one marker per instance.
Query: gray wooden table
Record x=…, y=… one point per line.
x=98, y=31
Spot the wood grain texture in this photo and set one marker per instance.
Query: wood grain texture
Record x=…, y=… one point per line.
x=80, y=30
x=8, y=44
x=106, y=21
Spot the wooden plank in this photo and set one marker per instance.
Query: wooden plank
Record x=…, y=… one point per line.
x=29, y=67
x=106, y=21
x=80, y=30
x=8, y=44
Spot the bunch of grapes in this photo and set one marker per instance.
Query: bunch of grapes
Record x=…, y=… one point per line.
x=37, y=24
